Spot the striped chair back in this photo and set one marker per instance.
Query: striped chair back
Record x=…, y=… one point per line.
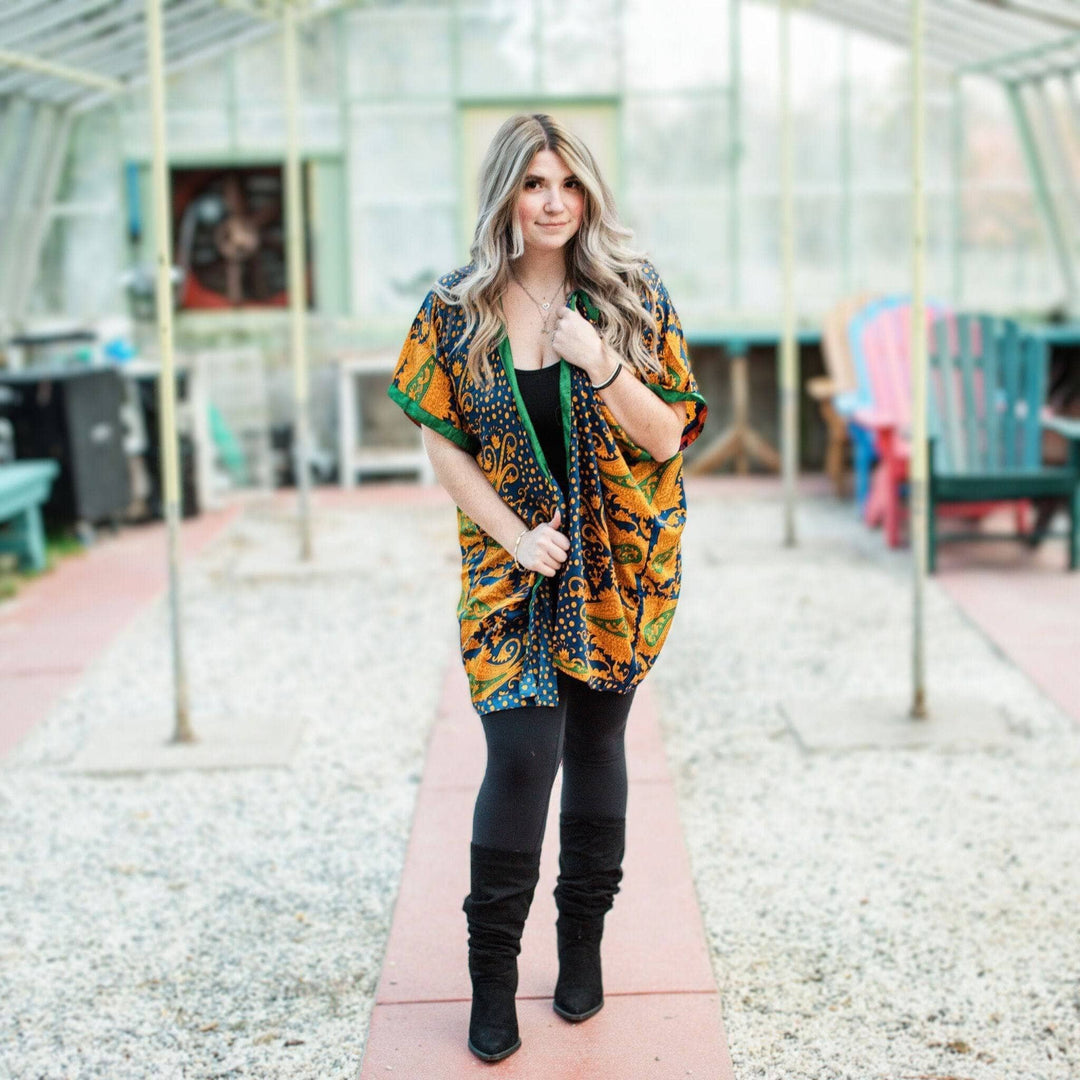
x=986, y=391
x=881, y=344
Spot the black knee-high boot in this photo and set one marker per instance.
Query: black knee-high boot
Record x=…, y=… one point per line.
x=502, y=887
x=590, y=869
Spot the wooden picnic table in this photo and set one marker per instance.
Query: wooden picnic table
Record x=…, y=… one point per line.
x=740, y=440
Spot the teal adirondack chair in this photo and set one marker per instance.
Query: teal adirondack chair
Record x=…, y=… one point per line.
x=986, y=415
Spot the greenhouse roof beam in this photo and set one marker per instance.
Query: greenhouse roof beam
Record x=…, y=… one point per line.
x=213, y=28
x=126, y=31
x=884, y=21
x=197, y=56
x=1032, y=63
x=1010, y=39
x=75, y=51
x=1062, y=12
x=42, y=21
x=78, y=39
x=956, y=23
x=36, y=66
x=124, y=53
x=1012, y=21
x=891, y=29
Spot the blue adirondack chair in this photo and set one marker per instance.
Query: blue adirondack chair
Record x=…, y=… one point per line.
x=863, y=449
x=863, y=330
x=986, y=415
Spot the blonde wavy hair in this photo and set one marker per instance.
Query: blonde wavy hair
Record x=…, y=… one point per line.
x=599, y=258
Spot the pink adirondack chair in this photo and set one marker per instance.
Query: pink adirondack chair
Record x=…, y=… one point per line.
x=887, y=348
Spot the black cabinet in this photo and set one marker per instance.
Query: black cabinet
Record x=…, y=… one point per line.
x=73, y=417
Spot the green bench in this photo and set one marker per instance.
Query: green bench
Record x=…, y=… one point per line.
x=24, y=486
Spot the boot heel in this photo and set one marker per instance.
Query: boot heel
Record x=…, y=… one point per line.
x=579, y=992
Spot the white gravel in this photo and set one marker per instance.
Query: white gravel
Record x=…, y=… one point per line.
x=892, y=913
x=230, y=924
x=873, y=912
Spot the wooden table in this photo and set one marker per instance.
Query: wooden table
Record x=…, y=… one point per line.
x=740, y=441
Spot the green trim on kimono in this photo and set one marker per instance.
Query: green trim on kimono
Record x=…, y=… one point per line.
x=604, y=618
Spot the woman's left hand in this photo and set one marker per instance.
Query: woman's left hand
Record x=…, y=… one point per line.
x=575, y=339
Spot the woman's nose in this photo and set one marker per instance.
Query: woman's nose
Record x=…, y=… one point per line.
x=554, y=201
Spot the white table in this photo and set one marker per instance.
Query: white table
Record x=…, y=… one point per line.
x=354, y=458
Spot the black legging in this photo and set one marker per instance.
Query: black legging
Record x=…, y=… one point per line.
x=525, y=746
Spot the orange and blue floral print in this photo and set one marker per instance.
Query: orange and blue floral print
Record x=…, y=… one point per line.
x=604, y=617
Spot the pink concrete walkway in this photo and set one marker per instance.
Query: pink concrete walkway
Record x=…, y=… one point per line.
x=59, y=623
x=661, y=1016
x=1026, y=602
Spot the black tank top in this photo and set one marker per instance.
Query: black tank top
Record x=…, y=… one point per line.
x=540, y=393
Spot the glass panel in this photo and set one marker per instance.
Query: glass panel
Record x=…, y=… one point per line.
x=880, y=113
x=402, y=152
x=676, y=46
x=258, y=71
x=1006, y=259
x=261, y=129
x=398, y=254
x=882, y=242
x=579, y=56
x=1007, y=279
x=760, y=98
x=82, y=255
x=819, y=269
x=198, y=130
x=399, y=53
x=319, y=59
x=686, y=238
x=196, y=86
x=816, y=73
x=675, y=140
x=498, y=47
x=64, y=284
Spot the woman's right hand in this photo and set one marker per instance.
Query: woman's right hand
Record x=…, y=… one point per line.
x=544, y=549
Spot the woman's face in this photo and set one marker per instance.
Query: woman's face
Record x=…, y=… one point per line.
x=550, y=204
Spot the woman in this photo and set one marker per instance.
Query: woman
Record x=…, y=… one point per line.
x=551, y=377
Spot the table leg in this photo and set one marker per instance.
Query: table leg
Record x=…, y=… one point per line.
x=347, y=435
x=739, y=440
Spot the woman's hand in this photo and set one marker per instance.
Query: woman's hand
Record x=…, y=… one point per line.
x=544, y=548
x=575, y=339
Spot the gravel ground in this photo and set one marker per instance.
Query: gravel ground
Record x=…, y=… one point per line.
x=230, y=924
x=872, y=912
x=896, y=913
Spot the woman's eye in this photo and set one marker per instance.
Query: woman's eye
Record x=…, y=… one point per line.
x=573, y=183
x=531, y=184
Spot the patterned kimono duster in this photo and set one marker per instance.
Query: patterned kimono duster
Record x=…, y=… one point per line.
x=604, y=617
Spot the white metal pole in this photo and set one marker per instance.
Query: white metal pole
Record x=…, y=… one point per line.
x=297, y=277
x=170, y=469
x=789, y=360
x=919, y=463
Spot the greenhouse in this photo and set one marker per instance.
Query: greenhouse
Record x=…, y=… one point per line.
x=398, y=100
x=284, y=676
